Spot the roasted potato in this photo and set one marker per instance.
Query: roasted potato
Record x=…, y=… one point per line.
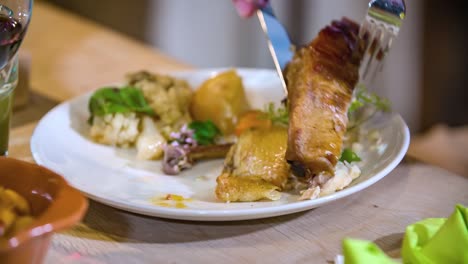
x=222, y=100
x=14, y=213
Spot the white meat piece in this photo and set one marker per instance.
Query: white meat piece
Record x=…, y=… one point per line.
x=150, y=143
x=345, y=173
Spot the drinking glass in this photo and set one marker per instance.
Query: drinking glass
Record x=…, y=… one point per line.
x=14, y=20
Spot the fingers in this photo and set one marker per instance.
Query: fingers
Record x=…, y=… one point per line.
x=246, y=8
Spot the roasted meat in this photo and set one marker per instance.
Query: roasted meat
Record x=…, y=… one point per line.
x=255, y=167
x=320, y=80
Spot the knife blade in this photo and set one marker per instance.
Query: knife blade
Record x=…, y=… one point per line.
x=279, y=43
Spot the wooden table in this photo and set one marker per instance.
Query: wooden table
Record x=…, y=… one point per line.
x=75, y=56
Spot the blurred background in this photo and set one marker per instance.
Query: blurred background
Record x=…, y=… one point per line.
x=424, y=75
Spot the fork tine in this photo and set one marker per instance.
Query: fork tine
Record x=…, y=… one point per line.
x=373, y=37
x=373, y=49
x=382, y=46
x=367, y=34
x=386, y=44
x=380, y=27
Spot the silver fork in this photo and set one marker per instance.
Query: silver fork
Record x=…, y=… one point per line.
x=380, y=27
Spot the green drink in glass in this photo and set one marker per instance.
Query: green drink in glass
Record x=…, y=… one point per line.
x=14, y=19
x=6, y=102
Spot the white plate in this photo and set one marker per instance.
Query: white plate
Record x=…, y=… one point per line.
x=114, y=177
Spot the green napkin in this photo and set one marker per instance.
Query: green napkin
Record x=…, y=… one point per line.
x=430, y=241
x=438, y=240
x=360, y=251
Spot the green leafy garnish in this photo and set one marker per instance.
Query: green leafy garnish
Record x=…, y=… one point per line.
x=278, y=115
x=364, y=106
x=349, y=156
x=205, y=132
x=111, y=100
x=364, y=98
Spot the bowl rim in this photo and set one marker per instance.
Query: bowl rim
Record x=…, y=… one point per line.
x=60, y=214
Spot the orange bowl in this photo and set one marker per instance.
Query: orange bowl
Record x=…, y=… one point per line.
x=54, y=204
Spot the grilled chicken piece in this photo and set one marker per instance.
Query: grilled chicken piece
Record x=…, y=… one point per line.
x=320, y=80
x=230, y=188
x=255, y=167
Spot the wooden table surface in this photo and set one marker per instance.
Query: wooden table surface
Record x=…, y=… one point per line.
x=75, y=55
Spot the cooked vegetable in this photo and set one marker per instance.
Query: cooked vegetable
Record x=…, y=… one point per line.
x=252, y=119
x=117, y=113
x=15, y=213
x=150, y=143
x=11, y=199
x=263, y=119
x=204, y=132
x=119, y=129
x=168, y=97
x=114, y=119
x=112, y=100
x=222, y=100
x=349, y=156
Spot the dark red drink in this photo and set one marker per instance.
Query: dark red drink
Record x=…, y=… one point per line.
x=11, y=34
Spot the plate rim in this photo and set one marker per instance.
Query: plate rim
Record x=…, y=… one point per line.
x=231, y=214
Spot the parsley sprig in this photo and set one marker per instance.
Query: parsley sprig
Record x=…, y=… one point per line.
x=204, y=132
x=364, y=98
x=364, y=106
x=349, y=156
x=277, y=115
x=111, y=100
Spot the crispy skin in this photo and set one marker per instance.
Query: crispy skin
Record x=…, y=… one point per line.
x=255, y=167
x=320, y=79
x=230, y=188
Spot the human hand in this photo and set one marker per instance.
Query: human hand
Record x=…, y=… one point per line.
x=246, y=8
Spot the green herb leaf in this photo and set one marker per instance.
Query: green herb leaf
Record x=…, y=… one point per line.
x=278, y=115
x=364, y=106
x=111, y=100
x=349, y=156
x=134, y=98
x=365, y=98
x=355, y=105
x=205, y=132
